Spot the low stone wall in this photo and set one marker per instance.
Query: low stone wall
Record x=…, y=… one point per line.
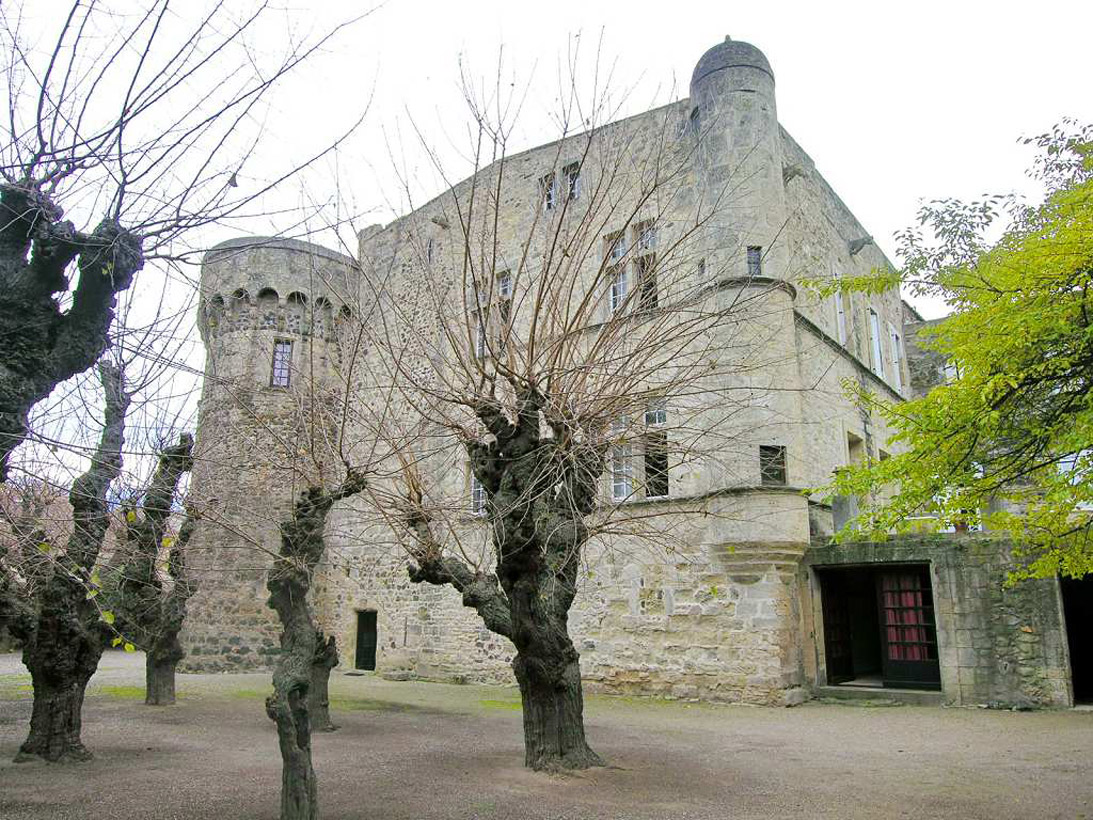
x=996, y=645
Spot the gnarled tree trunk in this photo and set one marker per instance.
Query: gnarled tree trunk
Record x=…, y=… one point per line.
x=326, y=658
x=159, y=674
x=152, y=612
x=63, y=644
x=553, y=705
x=538, y=493
x=43, y=343
x=302, y=547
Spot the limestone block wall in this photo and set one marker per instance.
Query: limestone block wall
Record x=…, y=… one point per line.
x=712, y=615
x=995, y=644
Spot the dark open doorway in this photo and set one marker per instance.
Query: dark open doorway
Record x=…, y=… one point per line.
x=1078, y=611
x=879, y=627
x=366, y=640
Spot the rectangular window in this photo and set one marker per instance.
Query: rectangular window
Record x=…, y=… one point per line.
x=874, y=338
x=656, y=412
x=897, y=358
x=572, y=174
x=656, y=463
x=647, y=282
x=645, y=235
x=504, y=284
x=755, y=260
x=478, y=495
x=950, y=372
x=772, y=464
x=616, y=247
x=548, y=192
x=840, y=316
x=619, y=286
x=281, y=373
x=622, y=472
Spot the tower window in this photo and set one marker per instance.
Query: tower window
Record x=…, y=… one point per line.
x=772, y=464
x=281, y=372
x=572, y=174
x=755, y=260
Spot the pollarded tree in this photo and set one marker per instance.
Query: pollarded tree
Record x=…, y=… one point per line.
x=136, y=121
x=151, y=609
x=1008, y=439
x=302, y=547
x=59, y=623
x=547, y=322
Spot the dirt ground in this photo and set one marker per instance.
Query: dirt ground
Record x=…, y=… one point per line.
x=420, y=750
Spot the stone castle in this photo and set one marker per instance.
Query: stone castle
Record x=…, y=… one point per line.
x=756, y=607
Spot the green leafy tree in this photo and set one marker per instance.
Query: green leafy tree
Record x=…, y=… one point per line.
x=1007, y=440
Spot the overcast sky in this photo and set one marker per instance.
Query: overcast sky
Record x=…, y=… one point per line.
x=895, y=102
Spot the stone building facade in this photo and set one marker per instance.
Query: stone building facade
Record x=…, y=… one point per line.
x=747, y=607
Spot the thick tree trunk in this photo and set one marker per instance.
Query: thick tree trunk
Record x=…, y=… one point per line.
x=159, y=680
x=59, y=676
x=326, y=658
x=288, y=708
x=553, y=704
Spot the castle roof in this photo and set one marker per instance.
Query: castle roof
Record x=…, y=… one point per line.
x=731, y=54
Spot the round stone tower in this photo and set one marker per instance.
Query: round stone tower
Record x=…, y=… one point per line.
x=738, y=165
x=271, y=310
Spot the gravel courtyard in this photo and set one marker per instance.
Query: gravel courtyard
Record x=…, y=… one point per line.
x=419, y=750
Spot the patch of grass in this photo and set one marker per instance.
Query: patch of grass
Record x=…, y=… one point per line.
x=251, y=694
x=125, y=692
x=15, y=691
x=500, y=704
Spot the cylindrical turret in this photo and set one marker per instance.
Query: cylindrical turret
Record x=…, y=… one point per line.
x=267, y=424
x=738, y=165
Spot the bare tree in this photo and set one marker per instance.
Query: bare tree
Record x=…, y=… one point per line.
x=150, y=609
x=548, y=321
x=302, y=547
x=139, y=123
x=58, y=621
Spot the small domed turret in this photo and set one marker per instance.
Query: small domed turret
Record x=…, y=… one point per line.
x=730, y=54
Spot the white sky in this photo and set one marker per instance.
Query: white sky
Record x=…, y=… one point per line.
x=895, y=102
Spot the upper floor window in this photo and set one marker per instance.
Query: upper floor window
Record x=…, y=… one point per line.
x=620, y=284
x=548, y=191
x=572, y=175
x=655, y=446
x=504, y=284
x=645, y=235
x=479, y=335
x=840, y=316
x=616, y=247
x=874, y=339
x=281, y=372
x=622, y=472
x=755, y=260
x=772, y=464
x=478, y=496
x=897, y=358
x=648, y=296
x=656, y=412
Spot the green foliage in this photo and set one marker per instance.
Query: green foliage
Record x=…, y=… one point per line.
x=1010, y=441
